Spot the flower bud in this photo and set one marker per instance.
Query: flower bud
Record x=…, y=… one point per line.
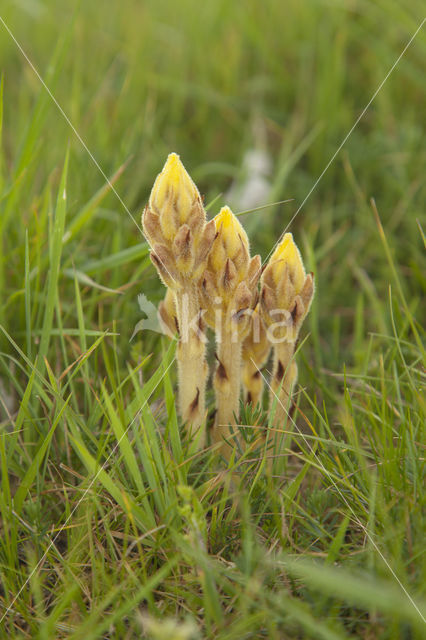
x=175, y=198
x=286, y=258
x=231, y=242
x=175, y=219
x=231, y=276
x=286, y=287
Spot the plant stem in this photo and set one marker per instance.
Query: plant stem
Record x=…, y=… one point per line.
x=256, y=348
x=253, y=382
x=192, y=366
x=284, y=375
x=227, y=384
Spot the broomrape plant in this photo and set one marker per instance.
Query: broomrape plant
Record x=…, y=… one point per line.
x=174, y=223
x=287, y=293
x=229, y=291
x=211, y=278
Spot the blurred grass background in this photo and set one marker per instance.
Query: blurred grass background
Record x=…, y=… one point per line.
x=211, y=81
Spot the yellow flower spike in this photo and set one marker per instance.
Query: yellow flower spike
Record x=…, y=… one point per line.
x=285, y=288
x=285, y=298
x=229, y=292
x=230, y=273
x=174, y=223
x=231, y=242
x=287, y=256
x=173, y=196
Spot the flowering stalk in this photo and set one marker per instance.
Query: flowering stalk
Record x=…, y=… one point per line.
x=229, y=289
x=285, y=299
x=256, y=348
x=174, y=223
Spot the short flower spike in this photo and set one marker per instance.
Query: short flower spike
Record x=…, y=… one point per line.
x=286, y=294
x=174, y=223
x=286, y=289
x=231, y=242
x=174, y=198
x=287, y=256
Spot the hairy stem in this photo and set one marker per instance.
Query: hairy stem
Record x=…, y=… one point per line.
x=192, y=366
x=227, y=384
x=284, y=376
x=252, y=381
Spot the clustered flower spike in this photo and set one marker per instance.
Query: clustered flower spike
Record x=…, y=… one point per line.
x=231, y=243
x=174, y=223
x=230, y=276
x=286, y=287
x=229, y=293
x=210, y=277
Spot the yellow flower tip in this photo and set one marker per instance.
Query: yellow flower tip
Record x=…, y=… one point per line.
x=227, y=244
x=224, y=219
x=287, y=254
x=282, y=248
x=231, y=232
x=173, y=168
x=173, y=196
x=173, y=184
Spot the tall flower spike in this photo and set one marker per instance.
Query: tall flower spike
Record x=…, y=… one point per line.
x=174, y=223
x=285, y=298
x=229, y=290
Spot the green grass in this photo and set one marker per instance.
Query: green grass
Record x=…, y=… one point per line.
x=111, y=524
